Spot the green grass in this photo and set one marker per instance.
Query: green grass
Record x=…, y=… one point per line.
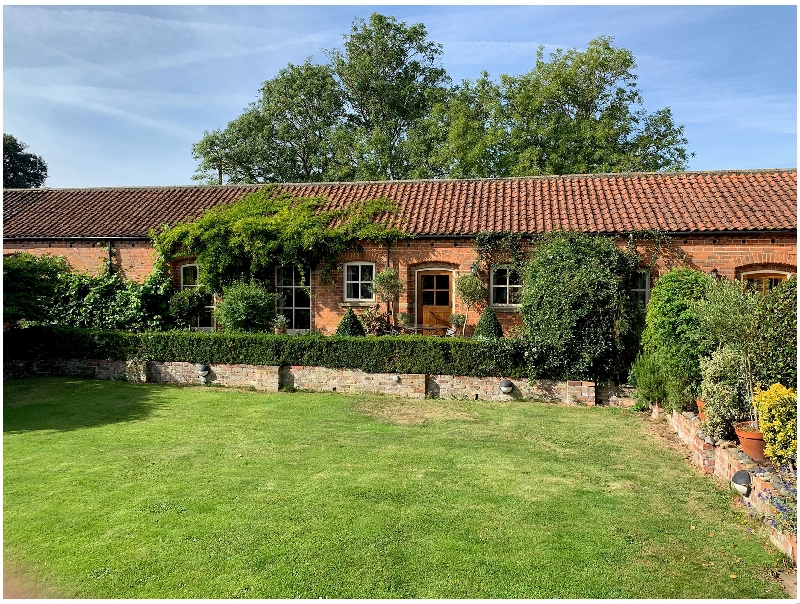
x=146, y=491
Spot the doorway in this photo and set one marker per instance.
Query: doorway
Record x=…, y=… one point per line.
x=434, y=300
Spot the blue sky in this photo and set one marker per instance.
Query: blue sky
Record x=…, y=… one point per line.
x=117, y=95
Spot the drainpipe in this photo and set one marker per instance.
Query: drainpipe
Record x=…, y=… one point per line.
x=391, y=317
x=110, y=256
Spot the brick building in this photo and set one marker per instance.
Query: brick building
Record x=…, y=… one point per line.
x=743, y=224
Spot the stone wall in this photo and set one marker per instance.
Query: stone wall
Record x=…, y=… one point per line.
x=271, y=379
x=723, y=459
x=615, y=396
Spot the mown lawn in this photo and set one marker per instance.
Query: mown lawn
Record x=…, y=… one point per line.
x=145, y=491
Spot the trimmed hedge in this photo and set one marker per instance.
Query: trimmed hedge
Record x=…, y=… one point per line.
x=386, y=354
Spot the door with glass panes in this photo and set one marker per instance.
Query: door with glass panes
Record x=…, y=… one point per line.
x=294, y=297
x=435, y=299
x=189, y=280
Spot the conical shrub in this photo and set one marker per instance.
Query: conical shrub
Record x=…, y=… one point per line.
x=350, y=325
x=488, y=326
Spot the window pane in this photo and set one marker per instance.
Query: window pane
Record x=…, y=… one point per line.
x=302, y=319
x=641, y=297
x=366, y=272
x=284, y=298
x=773, y=282
x=499, y=295
x=427, y=298
x=427, y=281
x=206, y=319
x=367, y=291
x=640, y=280
x=285, y=275
x=756, y=284
x=514, y=295
x=443, y=282
x=301, y=298
x=352, y=272
x=352, y=291
x=288, y=314
x=500, y=276
x=513, y=278
x=443, y=298
x=189, y=276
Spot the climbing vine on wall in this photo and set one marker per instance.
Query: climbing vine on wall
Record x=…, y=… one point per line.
x=246, y=240
x=498, y=247
x=661, y=242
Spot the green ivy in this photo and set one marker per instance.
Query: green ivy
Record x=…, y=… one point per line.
x=246, y=240
x=498, y=247
x=30, y=284
x=774, y=354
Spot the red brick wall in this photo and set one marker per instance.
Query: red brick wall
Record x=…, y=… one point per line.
x=731, y=256
x=133, y=260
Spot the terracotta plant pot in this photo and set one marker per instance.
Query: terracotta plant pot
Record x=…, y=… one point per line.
x=750, y=439
x=701, y=404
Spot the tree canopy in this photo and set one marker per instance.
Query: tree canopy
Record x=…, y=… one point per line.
x=21, y=170
x=384, y=108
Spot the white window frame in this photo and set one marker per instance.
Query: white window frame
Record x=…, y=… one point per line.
x=371, y=300
x=507, y=287
x=306, y=287
x=646, y=289
x=210, y=307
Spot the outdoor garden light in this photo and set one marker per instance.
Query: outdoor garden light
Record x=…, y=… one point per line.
x=714, y=273
x=396, y=378
x=741, y=482
x=506, y=386
x=202, y=371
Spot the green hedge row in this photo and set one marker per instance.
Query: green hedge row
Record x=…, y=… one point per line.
x=386, y=354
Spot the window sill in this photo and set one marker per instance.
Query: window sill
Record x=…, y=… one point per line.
x=507, y=307
x=354, y=304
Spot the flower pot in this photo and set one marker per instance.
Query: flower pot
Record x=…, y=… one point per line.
x=656, y=410
x=701, y=404
x=750, y=439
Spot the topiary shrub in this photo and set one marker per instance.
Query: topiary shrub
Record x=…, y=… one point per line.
x=777, y=419
x=488, y=326
x=185, y=306
x=246, y=307
x=350, y=325
x=580, y=317
x=774, y=353
x=672, y=333
x=725, y=390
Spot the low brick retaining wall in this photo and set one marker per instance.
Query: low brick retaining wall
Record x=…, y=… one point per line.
x=271, y=379
x=723, y=459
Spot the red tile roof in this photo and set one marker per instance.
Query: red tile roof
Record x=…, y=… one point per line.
x=755, y=200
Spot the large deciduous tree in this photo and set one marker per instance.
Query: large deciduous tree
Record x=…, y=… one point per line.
x=21, y=170
x=391, y=75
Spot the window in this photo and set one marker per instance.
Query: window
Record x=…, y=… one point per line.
x=763, y=282
x=189, y=280
x=641, y=287
x=506, y=286
x=359, y=284
x=294, y=297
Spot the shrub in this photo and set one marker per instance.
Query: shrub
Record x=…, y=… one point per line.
x=185, y=307
x=777, y=419
x=388, y=286
x=488, y=326
x=457, y=320
x=111, y=302
x=724, y=389
x=471, y=291
x=246, y=307
x=404, y=319
x=774, y=354
x=30, y=285
x=672, y=334
x=577, y=308
x=647, y=374
x=350, y=325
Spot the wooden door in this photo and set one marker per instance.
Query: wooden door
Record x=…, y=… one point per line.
x=434, y=299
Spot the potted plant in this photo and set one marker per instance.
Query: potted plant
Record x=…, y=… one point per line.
x=457, y=320
x=280, y=324
x=404, y=321
x=701, y=405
